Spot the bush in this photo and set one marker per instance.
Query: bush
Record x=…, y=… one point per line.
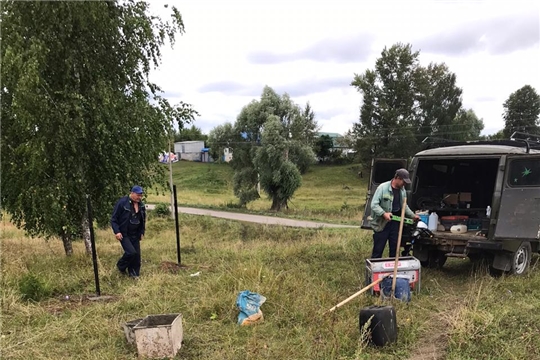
x=33, y=288
x=234, y=205
x=162, y=210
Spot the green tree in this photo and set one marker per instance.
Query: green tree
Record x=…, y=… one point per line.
x=386, y=115
x=190, y=134
x=219, y=138
x=521, y=111
x=403, y=103
x=279, y=176
x=499, y=135
x=466, y=126
x=77, y=115
x=323, y=147
x=298, y=128
x=439, y=101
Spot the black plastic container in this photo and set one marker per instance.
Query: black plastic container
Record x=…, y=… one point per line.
x=382, y=329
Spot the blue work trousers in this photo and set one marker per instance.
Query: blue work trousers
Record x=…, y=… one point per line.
x=131, y=260
x=390, y=233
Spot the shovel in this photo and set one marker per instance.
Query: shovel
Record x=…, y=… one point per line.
x=358, y=293
x=398, y=247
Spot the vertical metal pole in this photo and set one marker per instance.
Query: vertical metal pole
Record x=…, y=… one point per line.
x=177, y=227
x=93, y=243
x=170, y=175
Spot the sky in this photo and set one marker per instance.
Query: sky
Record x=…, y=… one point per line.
x=312, y=50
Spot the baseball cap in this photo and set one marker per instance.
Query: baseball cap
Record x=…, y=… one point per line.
x=137, y=189
x=404, y=175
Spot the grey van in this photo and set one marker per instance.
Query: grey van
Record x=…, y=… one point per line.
x=461, y=180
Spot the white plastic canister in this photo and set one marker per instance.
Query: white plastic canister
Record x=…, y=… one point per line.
x=433, y=221
x=456, y=229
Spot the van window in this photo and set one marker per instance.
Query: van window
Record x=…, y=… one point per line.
x=524, y=172
x=385, y=170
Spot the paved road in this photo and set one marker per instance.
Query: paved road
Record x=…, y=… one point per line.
x=260, y=219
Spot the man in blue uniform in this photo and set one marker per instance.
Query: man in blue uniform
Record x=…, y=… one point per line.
x=128, y=223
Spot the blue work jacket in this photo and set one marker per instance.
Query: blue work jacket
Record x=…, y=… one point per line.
x=122, y=213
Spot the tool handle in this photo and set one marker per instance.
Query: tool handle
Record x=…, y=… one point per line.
x=358, y=293
x=403, y=207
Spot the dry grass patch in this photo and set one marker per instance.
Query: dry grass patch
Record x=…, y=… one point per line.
x=302, y=273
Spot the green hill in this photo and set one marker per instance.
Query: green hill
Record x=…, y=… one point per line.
x=328, y=193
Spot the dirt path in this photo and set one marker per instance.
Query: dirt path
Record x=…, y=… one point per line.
x=432, y=344
x=260, y=219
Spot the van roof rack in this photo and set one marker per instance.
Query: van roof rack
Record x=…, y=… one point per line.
x=530, y=140
x=516, y=140
x=533, y=138
x=433, y=140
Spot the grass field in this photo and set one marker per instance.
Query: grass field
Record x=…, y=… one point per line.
x=460, y=313
x=328, y=193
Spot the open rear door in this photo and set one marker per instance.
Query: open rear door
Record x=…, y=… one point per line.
x=519, y=213
x=382, y=170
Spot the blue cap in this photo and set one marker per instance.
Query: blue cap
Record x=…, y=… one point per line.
x=137, y=189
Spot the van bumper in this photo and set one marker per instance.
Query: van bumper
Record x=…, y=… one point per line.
x=484, y=245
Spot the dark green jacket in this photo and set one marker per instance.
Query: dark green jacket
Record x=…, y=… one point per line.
x=382, y=203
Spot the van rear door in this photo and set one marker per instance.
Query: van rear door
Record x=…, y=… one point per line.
x=381, y=170
x=519, y=213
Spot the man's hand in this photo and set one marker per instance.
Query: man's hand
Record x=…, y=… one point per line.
x=416, y=217
x=118, y=236
x=387, y=216
x=142, y=235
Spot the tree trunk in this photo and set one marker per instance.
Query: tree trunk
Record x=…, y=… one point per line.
x=68, y=246
x=276, y=205
x=86, y=234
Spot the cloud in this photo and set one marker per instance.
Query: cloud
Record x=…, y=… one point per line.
x=501, y=35
x=299, y=88
x=172, y=94
x=339, y=50
x=313, y=85
x=231, y=88
x=485, y=99
x=327, y=114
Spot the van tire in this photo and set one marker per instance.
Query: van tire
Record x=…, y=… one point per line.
x=436, y=260
x=521, y=259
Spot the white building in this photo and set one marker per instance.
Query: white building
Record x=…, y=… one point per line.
x=189, y=150
x=227, y=154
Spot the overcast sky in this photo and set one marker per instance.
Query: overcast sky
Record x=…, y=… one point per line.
x=312, y=49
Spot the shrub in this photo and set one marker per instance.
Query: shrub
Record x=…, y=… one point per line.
x=234, y=205
x=162, y=210
x=33, y=288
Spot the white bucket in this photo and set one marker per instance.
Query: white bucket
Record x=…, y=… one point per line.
x=458, y=229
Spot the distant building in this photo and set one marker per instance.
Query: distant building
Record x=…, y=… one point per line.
x=205, y=155
x=227, y=154
x=346, y=151
x=189, y=150
x=334, y=136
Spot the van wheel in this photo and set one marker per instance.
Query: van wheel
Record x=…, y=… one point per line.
x=522, y=259
x=436, y=260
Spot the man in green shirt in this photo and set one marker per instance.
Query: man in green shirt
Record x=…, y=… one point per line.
x=387, y=201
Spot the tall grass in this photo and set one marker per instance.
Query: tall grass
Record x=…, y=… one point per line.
x=461, y=312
